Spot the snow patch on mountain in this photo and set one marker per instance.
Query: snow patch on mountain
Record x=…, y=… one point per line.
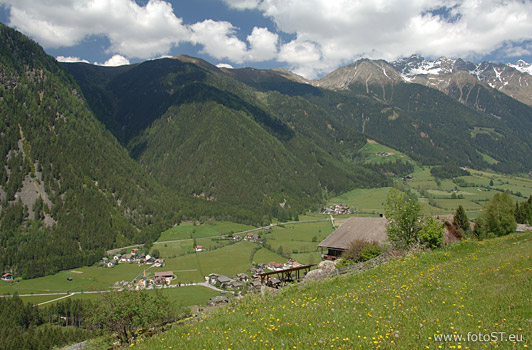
x=522, y=66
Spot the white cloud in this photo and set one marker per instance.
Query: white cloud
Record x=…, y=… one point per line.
x=334, y=32
x=136, y=31
x=242, y=4
x=263, y=45
x=133, y=30
x=114, y=61
x=328, y=33
x=70, y=59
x=219, y=41
x=224, y=65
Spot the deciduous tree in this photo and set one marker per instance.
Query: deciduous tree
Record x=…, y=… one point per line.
x=403, y=213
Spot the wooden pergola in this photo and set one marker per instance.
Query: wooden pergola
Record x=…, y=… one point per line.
x=286, y=275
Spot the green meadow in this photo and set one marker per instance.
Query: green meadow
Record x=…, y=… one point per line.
x=408, y=303
x=83, y=279
x=438, y=197
x=371, y=149
x=188, y=230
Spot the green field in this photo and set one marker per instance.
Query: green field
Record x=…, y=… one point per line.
x=187, y=230
x=83, y=279
x=298, y=238
x=467, y=288
x=363, y=200
x=371, y=149
x=186, y=296
x=174, y=249
x=472, y=197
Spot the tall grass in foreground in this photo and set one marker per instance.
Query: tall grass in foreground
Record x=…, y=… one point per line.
x=468, y=288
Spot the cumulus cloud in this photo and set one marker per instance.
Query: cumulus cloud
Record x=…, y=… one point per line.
x=70, y=59
x=326, y=33
x=114, y=61
x=136, y=31
x=133, y=30
x=330, y=33
x=219, y=40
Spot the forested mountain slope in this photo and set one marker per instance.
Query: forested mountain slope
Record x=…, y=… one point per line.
x=201, y=132
x=68, y=189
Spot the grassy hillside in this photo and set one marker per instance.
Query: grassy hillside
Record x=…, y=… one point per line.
x=468, y=288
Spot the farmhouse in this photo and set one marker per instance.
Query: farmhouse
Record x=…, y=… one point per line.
x=235, y=284
x=198, y=248
x=163, y=277
x=223, y=280
x=126, y=258
x=251, y=237
x=255, y=284
x=355, y=228
x=275, y=266
x=242, y=277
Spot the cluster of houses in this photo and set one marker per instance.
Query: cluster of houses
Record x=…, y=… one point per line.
x=250, y=237
x=159, y=279
x=337, y=209
x=255, y=283
x=383, y=154
x=133, y=257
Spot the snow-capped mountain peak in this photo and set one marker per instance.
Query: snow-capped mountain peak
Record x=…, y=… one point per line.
x=522, y=66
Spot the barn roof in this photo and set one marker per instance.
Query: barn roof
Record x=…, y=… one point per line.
x=367, y=229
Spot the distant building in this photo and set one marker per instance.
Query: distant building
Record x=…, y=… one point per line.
x=198, y=248
x=221, y=299
x=223, y=281
x=126, y=258
x=235, y=284
x=242, y=277
x=275, y=266
x=163, y=277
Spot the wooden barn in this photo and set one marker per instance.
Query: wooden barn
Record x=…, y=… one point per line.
x=355, y=228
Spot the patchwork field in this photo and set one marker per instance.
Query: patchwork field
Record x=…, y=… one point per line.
x=439, y=197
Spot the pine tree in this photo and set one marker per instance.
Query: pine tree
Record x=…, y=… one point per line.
x=461, y=221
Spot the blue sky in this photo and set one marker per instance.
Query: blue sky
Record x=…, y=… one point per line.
x=310, y=37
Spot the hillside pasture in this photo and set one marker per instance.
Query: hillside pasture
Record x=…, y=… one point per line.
x=372, y=148
x=188, y=230
x=407, y=303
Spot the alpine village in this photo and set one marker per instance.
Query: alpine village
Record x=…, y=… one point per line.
x=174, y=204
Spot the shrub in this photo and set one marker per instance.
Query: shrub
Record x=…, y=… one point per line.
x=431, y=234
x=359, y=250
x=371, y=251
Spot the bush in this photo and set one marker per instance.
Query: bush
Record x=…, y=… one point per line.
x=359, y=250
x=431, y=234
x=372, y=250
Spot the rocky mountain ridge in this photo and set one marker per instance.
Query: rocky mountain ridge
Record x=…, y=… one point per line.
x=514, y=80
